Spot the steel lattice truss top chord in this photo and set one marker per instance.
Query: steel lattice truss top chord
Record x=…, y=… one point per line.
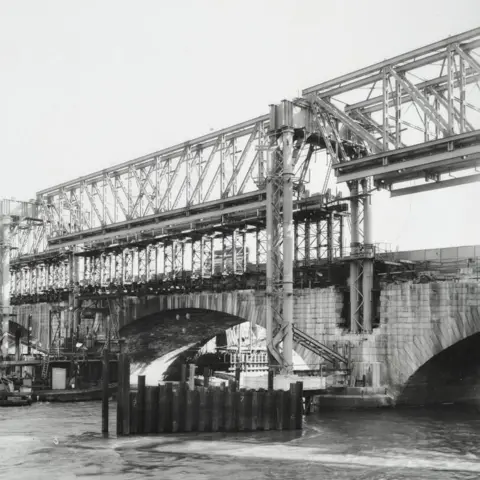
x=428, y=97
x=218, y=166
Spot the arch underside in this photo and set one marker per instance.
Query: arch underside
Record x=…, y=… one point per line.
x=156, y=335
x=451, y=376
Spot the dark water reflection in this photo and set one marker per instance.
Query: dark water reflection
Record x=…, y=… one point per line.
x=48, y=441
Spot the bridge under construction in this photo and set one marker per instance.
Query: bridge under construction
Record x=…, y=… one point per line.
x=245, y=207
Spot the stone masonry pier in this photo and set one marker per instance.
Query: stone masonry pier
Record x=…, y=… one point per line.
x=418, y=321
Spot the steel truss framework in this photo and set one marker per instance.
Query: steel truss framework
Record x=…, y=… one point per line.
x=190, y=259
x=420, y=109
x=415, y=116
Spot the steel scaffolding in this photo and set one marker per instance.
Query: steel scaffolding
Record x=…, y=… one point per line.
x=165, y=216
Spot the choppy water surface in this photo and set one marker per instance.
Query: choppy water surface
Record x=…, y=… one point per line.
x=50, y=441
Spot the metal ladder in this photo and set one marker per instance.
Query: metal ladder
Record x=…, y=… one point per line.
x=316, y=347
x=45, y=365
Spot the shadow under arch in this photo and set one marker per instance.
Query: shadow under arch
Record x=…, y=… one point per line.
x=15, y=328
x=159, y=334
x=451, y=376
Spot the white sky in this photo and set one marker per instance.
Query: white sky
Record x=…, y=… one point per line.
x=85, y=85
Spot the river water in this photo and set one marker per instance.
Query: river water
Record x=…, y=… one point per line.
x=50, y=441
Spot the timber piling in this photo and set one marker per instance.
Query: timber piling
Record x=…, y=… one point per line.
x=179, y=408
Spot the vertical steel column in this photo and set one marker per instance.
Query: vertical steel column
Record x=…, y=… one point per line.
x=288, y=246
x=319, y=240
x=398, y=114
x=367, y=278
x=269, y=260
x=354, y=270
x=73, y=311
x=5, y=280
x=450, y=97
x=385, y=118
x=307, y=241
x=462, y=95
x=244, y=253
x=234, y=252
x=436, y=106
x=341, y=238
x=330, y=237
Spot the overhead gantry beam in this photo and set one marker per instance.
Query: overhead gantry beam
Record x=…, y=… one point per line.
x=428, y=187
x=440, y=156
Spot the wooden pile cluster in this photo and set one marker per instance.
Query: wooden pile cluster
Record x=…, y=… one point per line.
x=176, y=408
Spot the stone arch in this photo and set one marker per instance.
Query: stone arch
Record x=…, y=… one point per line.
x=161, y=333
x=421, y=321
x=245, y=304
x=450, y=376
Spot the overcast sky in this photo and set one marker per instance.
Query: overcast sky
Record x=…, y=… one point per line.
x=87, y=84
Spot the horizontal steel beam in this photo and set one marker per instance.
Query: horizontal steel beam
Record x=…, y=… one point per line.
x=214, y=205
x=239, y=128
x=250, y=211
x=425, y=160
x=435, y=185
x=470, y=138
x=392, y=61
x=168, y=223
x=414, y=173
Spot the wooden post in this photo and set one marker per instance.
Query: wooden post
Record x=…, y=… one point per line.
x=299, y=406
x=209, y=409
x=248, y=410
x=151, y=403
x=229, y=416
x=202, y=410
x=168, y=417
x=126, y=395
x=238, y=402
x=279, y=409
x=260, y=396
x=255, y=410
x=141, y=404
x=134, y=412
x=105, y=392
x=292, y=407
x=182, y=404
x=189, y=410
x=191, y=376
x=119, y=395
x=196, y=409
x=286, y=410
x=270, y=378
x=176, y=410
x=162, y=409
x=269, y=417
x=237, y=375
x=217, y=409
x=183, y=377
x=206, y=377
